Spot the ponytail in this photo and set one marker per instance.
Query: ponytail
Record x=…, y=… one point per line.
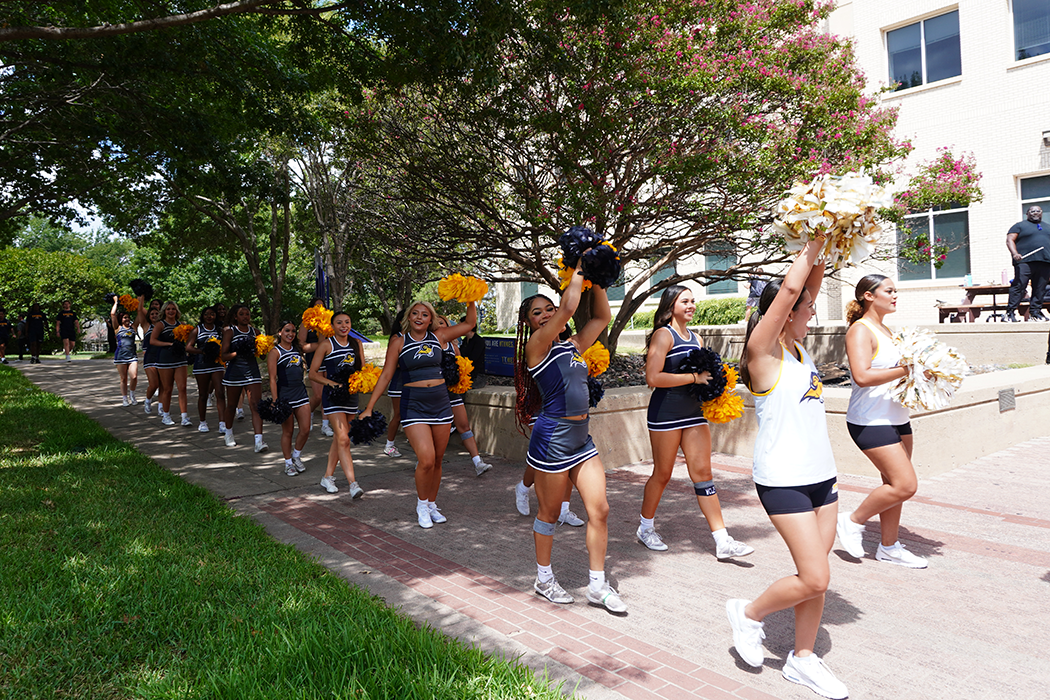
x=854, y=312
x=856, y=308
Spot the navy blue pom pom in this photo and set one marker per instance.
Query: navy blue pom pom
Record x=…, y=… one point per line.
x=244, y=345
x=364, y=431
x=601, y=265
x=141, y=288
x=341, y=394
x=705, y=360
x=274, y=411
x=576, y=240
x=210, y=352
x=595, y=390
x=449, y=368
x=178, y=349
x=110, y=296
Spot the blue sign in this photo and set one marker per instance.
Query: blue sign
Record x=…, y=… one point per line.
x=499, y=356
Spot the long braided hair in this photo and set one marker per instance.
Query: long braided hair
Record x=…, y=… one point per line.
x=528, y=394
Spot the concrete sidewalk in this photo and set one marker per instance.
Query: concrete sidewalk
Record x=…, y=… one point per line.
x=972, y=625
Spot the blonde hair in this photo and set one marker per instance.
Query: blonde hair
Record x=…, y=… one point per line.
x=405, y=323
x=164, y=308
x=856, y=307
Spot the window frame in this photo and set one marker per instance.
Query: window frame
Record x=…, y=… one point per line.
x=729, y=254
x=921, y=21
x=934, y=273
x=1013, y=34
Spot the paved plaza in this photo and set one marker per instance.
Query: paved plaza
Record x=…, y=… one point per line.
x=972, y=625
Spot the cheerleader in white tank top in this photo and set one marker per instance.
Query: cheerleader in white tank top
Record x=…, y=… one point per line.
x=878, y=425
x=794, y=470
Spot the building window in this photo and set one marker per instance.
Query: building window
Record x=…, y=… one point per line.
x=1031, y=28
x=619, y=289
x=1035, y=191
x=950, y=228
x=529, y=289
x=721, y=256
x=925, y=52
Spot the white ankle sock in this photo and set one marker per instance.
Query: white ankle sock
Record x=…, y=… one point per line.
x=296, y=454
x=476, y=460
x=721, y=536
x=544, y=573
x=258, y=439
x=646, y=523
x=597, y=579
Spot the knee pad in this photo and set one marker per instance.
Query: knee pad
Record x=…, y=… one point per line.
x=466, y=435
x=542, y=528
x=704, y=488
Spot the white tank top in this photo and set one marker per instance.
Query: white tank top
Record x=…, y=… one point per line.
x=793, y=448
x=869, y=405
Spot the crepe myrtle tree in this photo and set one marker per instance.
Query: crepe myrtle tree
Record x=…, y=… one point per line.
x=671, y=127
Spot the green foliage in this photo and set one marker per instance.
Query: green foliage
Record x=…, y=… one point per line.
x=709, y=312
x=121, y=580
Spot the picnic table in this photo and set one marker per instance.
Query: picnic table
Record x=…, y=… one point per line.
x=971, y=308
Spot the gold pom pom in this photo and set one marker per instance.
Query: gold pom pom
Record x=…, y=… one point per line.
x=728, y=406
x=465, y=382
x=462, y=289
x=182, y=332
x=565, y=275
x=364, y=380
x=597, y=359
x=130, y=303
x=264, y=344
x=319, y=319
x=218, y=342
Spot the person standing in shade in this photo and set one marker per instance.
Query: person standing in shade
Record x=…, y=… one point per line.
x=36, y=325
x=756, y=284
x=22, y=336
x=472, y=347
x=1029, y=245
x=67, y=327
x=5, y=334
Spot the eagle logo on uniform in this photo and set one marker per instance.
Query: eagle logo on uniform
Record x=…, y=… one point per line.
x=816, y=389
x=424, y=351
x=577, y=360
x=295, y=360
x=349, y=360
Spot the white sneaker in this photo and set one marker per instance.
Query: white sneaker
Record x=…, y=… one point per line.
x=186, y=420
x=355, y=490
x=567, y=517
x=328, y=484
x=166, y=419
x=391, y=451
x=606, y=597
x=423, y=515
x=553, y=592
x=132, y=399
x=289, y=470
x=147, y=407
x=813, y=673
x=297, y=462
x=747, y=633
x=482, y=467
x=126, y=402
x=261, y=447
x=435, y=514
x=327, y=431
x=228, y=437
x=731, y=548
x=900, y=556
x=521, y=499
x=240, y=414
x=851, y=535
x=203, y=427
x=650, y=539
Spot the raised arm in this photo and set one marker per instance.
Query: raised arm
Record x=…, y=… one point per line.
x=766, y=336
x=601, y=314
x=460, y=329
x=393, y=352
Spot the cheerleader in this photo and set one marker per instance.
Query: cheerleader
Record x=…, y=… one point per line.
x=124, y=357
x=551, y=379
x=208, y=373
x=794, y=470
x=171, y=363
x=286, y=365
x=426, y=412
x=676, y=421
x=150, y=352
x=309, y=337
x=242, y=372
x=339, y=357
x=393, y=392
x=459, y=410
x=879, y=426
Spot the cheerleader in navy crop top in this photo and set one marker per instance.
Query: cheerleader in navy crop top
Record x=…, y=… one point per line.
x=287, y=369
x=792, y=467
x=242, y=372
x=335, y=359
x=124, y=357
x=149, y=357
x=551, y=379
x=676, y=421
x=171, y=368
x=206, y=341
x=425, y=408
x=459, y=411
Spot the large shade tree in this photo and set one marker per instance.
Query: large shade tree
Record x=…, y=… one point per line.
x=670, y=127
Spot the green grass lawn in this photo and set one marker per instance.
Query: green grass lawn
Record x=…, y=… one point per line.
x=119, y=580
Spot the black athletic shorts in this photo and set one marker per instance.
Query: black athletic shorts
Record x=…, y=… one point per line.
x=780, y=500
x=869, y=437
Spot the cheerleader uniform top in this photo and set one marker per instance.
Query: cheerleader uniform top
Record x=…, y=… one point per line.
x=204, y=336
x=338, y=357
x=244, y=366
x=420, y=360
x=290, y=368
x=869, y=405
x=125, y=352
x=152, y=352
x=562, y=380
x=676, y=407
x=792, y=447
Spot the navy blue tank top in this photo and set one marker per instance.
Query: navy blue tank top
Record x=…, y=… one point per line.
x=562, y=380
x=420, y=360
x=338, y=356
x=125, y=343
x=203, y=334
x=290, y=367
x=679, y=350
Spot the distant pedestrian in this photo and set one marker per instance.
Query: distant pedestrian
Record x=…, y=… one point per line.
x=22, y=334
x=67, y=327
x=36, y=328
x=754, y=292
x=5, y=334
x=1029, y=246
x=125, y=357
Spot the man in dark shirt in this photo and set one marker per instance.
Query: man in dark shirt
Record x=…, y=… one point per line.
x=67, y=327
x=1029, y=246
x=472, y=347
x=5, y=335
x=36, y=323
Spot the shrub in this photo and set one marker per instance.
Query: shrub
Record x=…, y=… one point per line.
x=710, y=312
